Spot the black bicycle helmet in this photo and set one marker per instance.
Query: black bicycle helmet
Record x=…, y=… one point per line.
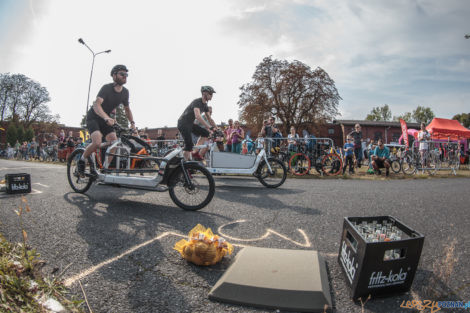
x=208, y=89
x=118, y=68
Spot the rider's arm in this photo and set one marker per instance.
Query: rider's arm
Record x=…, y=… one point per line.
x=209, y=117
x=99, y=110
x=197, y=114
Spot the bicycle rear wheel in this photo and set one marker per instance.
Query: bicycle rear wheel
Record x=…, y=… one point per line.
x=332, y=164
x=79, y=183
x=408, y=165
x=193, y=197
x=299, y=164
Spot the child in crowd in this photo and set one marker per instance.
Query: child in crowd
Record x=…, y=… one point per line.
x=349, y=155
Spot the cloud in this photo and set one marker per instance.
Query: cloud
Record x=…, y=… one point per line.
x=372, y=49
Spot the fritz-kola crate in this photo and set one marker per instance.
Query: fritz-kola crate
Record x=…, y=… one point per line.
x=379, y=255
x=18, y=183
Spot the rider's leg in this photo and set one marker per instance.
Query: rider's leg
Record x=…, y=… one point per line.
x=185, y=132
x=111, y=137
x=202, y=141
x=95, y=143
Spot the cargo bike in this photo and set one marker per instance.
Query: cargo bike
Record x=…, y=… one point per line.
x=129, y=163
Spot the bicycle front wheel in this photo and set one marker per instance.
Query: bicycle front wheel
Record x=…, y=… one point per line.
x=299, y=164
x=408, y=165
x=276, y=176
x=192, y=196
x=396, y=166
x=79, y=183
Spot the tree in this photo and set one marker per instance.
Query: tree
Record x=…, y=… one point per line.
x=29, y=134
x=463, y=118
x=121, y=117
x=407, y=117
x=292, y=92
x=22, y=99
x=382, y=113
x=11, y=134
x=20, y=133
x=423, y=115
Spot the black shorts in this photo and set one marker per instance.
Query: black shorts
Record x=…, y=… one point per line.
x=381, y=164
x=186, y=130
x=94, y=124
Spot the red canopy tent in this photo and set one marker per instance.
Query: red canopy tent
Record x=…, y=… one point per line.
x=442, y=128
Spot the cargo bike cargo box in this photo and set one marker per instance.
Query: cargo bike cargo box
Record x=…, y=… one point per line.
x=375, y=264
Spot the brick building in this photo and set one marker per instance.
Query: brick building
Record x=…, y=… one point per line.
x=388, y=131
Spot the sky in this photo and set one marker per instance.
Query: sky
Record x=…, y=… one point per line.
x=403, y=53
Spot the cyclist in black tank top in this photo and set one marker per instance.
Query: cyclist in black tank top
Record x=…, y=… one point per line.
x=99, y=123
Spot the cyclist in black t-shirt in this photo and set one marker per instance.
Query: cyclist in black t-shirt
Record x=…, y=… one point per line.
x=186, y=124
x=99, y=122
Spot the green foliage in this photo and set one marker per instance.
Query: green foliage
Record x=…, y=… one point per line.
x=29, y=134
x=23, y=99
x=382, y=113
x=20, y=134
x=11, y=134
x=83, y=122
x=463, y=118
x=121, y=117
x=292, y=92
x=407, y=117
x=21, y=284
x=423, y=115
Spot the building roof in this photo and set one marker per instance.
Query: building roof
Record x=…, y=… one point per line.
x=373, y=123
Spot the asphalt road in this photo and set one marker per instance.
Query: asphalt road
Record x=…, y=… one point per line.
x=120, y=242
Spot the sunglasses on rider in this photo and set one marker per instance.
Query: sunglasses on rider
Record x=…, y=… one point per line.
x=123, y=74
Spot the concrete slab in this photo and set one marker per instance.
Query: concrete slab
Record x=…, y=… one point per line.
x=276, y=278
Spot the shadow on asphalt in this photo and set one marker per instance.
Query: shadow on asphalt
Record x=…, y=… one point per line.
x=110, y=225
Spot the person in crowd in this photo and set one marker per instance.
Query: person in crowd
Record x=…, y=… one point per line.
x=268, y=132
x=227, y=131
x=219, y=140
x=236, y=137
x=160, y=139
x=349, y=155
x=380, y=158
x=423, y=138
x=292, y=140
x=187, y=127
x=80, y=143
x=356, y=134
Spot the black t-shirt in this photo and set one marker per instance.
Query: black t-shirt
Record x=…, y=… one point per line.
x=188, y=116
x=357, y=136
x=111, y=99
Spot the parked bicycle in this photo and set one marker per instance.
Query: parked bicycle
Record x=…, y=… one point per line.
x=322, y=156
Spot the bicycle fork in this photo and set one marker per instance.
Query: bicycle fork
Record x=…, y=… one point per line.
x=187, y=179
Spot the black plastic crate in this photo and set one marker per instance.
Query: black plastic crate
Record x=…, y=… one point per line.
x=378, y=268
x=18, y=183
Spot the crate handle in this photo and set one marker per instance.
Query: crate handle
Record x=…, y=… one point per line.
x=352, y=241
x=394, y=254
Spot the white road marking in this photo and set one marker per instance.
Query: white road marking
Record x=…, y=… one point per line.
x=266, y=234
x=41, y=185
x=71, y=280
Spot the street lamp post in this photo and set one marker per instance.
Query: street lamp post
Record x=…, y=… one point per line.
x=80, y=40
